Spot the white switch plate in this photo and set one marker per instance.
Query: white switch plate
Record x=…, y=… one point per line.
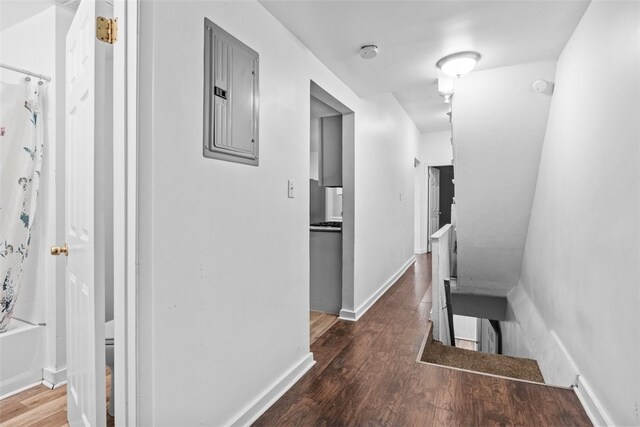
x=291, y=192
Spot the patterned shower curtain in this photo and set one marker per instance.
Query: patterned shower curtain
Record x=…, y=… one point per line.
x=21, y=146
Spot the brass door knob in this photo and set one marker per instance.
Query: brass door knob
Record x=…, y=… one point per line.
x=57, y=250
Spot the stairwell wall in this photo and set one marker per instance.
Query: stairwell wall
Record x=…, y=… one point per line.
x=498, y=130
x=581, y=265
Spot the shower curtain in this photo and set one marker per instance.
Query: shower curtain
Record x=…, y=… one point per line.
x=21, y=146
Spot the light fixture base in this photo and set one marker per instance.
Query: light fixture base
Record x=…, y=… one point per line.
x=458, y=64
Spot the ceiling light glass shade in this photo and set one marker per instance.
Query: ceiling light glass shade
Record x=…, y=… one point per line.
x=458, y=64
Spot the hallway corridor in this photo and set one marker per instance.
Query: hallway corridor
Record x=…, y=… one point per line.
x=367, y=374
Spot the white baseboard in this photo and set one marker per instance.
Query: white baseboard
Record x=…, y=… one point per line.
x=353, y=316
x=348, y=315
x=51, y=386
x=555, y=361
x=54, y=376
x=260, y=405
x=591, y=404
x=419, y=251
x=20, y=390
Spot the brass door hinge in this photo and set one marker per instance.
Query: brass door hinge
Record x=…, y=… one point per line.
x=107, y=29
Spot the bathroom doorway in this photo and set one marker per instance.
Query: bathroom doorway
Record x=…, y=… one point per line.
x=100, y=233
x=75, y=97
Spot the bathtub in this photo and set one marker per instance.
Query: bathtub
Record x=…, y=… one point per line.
x=22, y=356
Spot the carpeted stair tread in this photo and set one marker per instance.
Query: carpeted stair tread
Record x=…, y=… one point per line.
x=496, y=364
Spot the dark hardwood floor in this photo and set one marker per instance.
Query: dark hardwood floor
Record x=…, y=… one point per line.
x=367, y=374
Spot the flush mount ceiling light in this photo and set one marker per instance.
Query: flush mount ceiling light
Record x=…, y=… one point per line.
x=369, y=51
x=458, y=64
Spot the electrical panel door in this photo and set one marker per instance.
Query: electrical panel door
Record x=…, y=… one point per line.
x=230, y=97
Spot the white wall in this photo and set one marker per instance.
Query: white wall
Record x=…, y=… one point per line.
x=581, y=266
x=36, y=42
x=224, y=261
x=435, y=149
x=386, y=143
x=13, y=12
x=498, y=129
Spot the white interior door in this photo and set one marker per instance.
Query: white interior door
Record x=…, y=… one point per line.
x=466, y=328
x=84, y=288
x=434, y=201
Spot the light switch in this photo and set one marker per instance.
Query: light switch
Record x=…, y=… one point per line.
x=291, y=192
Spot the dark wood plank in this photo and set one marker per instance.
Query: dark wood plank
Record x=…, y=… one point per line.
x=454, y=396
x=416, y=406
x=382, y=404
x=446, y=418
x=491, y=413
x=486, y=387
x=533, y=404
x=325, y=349
x=336, y=390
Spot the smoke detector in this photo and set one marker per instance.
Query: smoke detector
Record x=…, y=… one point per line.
x=369, y=51
x=542, y=86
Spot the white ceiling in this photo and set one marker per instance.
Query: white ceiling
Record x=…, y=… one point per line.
x=14, y=11
x=413, y=35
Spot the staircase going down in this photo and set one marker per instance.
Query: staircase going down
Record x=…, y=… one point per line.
x=496, y=364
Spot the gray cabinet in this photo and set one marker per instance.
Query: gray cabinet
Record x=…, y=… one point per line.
x=330, y=153
x=325, y=270
x=230, y=97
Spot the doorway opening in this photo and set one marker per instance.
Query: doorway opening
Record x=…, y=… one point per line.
x=440, y=199
x=86, y=184
x=446, y=193
x=325, y=217
x=330, y=210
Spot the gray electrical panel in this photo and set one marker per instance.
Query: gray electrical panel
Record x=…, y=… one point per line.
x=231, y=97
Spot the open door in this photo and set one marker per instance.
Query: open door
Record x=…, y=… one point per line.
x=434, y=202
x=85, y=98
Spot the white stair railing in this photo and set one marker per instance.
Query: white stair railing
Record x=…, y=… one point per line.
x=441, y=247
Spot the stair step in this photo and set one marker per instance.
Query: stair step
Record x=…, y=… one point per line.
x=496, y=364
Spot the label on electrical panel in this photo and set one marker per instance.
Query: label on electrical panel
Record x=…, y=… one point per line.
x=220, y=92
